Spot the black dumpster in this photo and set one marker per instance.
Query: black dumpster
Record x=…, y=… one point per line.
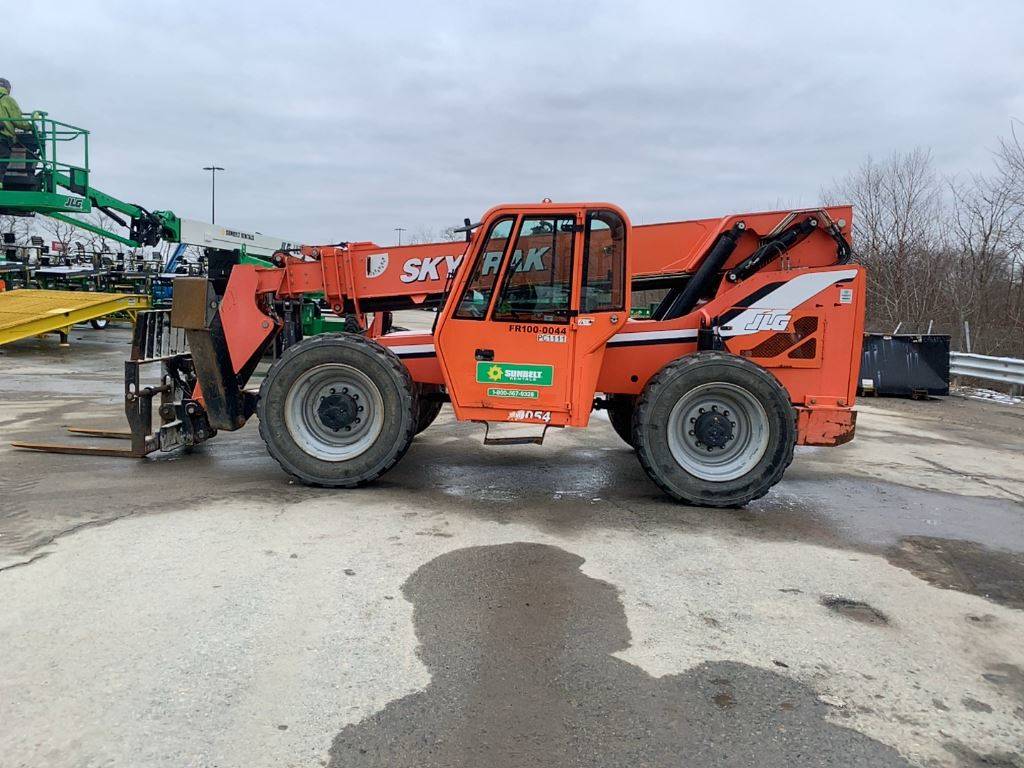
x=906, y=365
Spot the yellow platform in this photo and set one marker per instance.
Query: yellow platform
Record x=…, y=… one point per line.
x=26, y=312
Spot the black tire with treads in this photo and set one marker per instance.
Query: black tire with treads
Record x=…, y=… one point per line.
x=429, y=407
x=651, y=421
x=620, y=414
x=390, y=377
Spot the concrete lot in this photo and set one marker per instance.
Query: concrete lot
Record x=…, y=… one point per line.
x=504, y=606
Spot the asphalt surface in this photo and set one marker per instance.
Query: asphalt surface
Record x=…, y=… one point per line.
x=514, y=606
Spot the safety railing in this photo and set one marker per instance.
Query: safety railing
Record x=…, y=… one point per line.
x=53, y=146
x=1008, y=370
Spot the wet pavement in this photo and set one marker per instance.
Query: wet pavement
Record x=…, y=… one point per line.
x=519, y=643
x=514, y=605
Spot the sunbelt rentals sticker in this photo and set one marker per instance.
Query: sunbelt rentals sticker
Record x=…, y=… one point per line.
x=514, y=373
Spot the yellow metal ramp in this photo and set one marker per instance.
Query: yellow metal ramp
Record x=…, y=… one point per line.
x=27, y=312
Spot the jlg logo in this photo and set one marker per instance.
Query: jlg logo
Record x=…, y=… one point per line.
x=772, y=320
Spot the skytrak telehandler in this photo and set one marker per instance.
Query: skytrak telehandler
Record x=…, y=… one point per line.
x=753, y=349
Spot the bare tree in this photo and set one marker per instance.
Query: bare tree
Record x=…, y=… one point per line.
x=431, y=235
x=96, y=242
x=942, y=251
x=897, y=235
x=1010, y=166
x=56, y=231
x=19, y=226
x=421, y=236
x=984, y=239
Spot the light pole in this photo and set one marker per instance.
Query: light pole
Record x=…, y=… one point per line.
x=399, y=230
x=213, y=190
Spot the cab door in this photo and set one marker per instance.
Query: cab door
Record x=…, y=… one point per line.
x=513, y=342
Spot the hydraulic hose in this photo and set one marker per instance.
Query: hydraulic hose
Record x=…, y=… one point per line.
x=770, y=250
x=684, y=302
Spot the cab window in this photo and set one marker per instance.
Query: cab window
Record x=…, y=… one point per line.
x=477, y=294
x=538, y=281
x=604, y=263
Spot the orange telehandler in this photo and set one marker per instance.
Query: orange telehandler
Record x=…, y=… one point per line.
x=753, y=348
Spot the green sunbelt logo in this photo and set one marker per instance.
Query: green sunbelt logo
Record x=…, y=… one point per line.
x=514, y=373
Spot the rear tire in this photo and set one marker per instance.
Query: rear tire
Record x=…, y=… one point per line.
x=620, y=414
x=714, y=429
x=429, y=407
x=337, y=410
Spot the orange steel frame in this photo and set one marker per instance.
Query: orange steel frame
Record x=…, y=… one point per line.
x=604, y=352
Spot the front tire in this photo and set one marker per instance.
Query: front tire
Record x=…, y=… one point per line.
x=714, y=429
x=337, y=410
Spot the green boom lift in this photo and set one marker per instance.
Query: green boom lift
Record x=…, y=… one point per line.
x=48, y=174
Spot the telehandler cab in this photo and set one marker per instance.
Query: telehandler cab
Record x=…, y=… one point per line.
x=753, y=348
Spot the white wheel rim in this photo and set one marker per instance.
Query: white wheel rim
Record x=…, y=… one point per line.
x=734, y=441
x=334, y=412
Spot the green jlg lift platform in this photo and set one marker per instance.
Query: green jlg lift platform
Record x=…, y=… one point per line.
x=48, y=174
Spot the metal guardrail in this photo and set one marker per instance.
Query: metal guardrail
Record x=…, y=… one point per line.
x=1008, y=370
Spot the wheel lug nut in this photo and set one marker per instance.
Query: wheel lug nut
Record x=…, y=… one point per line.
x=693, y=420
x=691, y=431
x=332, y=390
x=355, y=397
x=700, y=410
x=360, y=409
x=344, y=390
x=348, y=429
x=358, y=420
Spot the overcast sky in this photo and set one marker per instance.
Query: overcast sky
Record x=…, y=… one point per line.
x=341, y=121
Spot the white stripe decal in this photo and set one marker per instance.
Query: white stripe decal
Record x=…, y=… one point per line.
x=627, y=337
x=413, y=349
x=785, y=298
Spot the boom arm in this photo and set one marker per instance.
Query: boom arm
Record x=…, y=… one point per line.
x=152, y=227
x=364, y=276
x=144, y=227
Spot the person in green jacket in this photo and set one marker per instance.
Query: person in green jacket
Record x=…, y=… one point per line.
x=8, y=128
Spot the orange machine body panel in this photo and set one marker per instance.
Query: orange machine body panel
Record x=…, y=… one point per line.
x=800, y=316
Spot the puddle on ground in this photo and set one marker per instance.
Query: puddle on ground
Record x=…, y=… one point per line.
x=519, y=643
x=964, y=566
x=855, y=609
x=968, y=758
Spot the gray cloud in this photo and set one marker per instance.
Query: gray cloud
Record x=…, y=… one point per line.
x=345, y=120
